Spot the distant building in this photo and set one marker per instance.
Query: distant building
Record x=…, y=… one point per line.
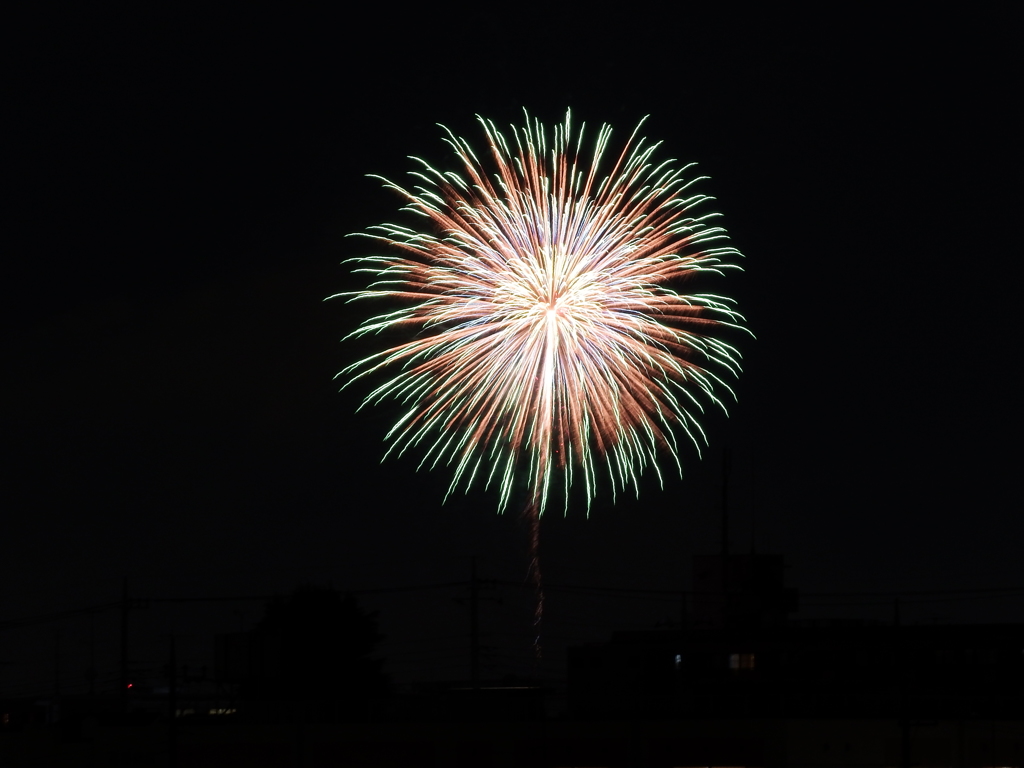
x=866, y=671
x=775, y=692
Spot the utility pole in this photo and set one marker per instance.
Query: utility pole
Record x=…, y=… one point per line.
x=124, y=645
x=901, y=682
x=474, y=627
x=92, y=653
x=726, y=470
x=726, y=597
x=55, y=708
x=172, y=706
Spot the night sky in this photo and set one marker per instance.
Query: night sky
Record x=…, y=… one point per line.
x=178, y=191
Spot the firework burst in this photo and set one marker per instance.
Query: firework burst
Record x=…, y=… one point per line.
x=547, y=340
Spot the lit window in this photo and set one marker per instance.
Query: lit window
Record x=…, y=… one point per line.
x=741, y=661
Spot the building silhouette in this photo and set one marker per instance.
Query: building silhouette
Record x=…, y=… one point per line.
x=743, y=684
x=739, y=682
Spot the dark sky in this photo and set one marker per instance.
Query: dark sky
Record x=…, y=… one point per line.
x=178, y=191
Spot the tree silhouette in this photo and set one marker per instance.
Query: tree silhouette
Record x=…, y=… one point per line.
x=315, y=646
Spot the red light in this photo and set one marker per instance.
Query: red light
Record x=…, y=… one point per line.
x=129, y=685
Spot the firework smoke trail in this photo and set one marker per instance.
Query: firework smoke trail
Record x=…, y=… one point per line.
x=532, y=516
x=546, y=339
